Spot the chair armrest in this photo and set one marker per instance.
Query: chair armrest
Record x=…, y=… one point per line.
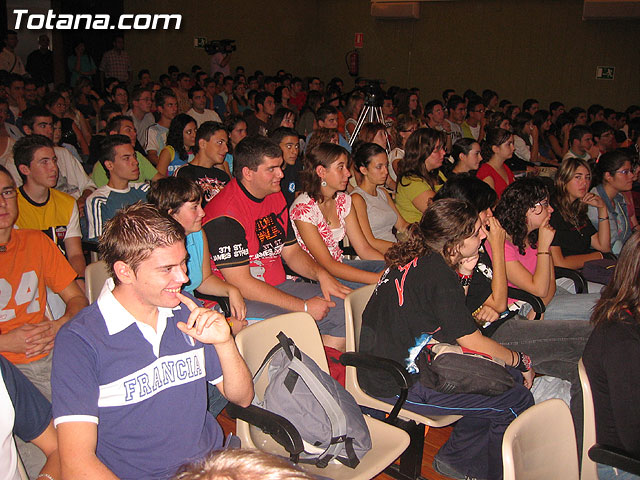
x=347, y=249
x=288, y=270
x=531, y=299
x=90, y=246
x=614, y=458
x=578, y=280
x=279, y=428
x=222, y=301
x=399, y=374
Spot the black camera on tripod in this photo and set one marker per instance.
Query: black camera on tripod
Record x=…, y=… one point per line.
x=220, y=46
x=373, y=93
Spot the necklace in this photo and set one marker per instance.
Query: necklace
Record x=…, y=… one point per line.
x=465, y=280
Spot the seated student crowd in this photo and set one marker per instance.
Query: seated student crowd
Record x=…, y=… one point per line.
x=241, y=237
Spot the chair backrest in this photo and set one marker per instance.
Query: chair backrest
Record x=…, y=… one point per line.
x=541, y=443
x=95, y=275
x=254, y=342
x=589, y=467
x=354, y=305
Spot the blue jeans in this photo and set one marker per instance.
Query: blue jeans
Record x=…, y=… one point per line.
x=332, y=324
x=567, y=306
x=475, y=445
x=366, y=265
x=555, y=348
x=605, y=472
x=216, y=402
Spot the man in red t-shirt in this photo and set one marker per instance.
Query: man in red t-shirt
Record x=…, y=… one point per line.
x=249, y=235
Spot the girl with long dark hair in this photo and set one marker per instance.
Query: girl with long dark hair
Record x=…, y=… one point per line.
x=377, y=214
x=180, y=140
x=524, y=212
x=419, y=175
x=576, y=240
x=612, y=360
x=497, y=148
x=465, y=157
x=613, y=176
x=421, y=296
x=555, y=347
x=322, y=216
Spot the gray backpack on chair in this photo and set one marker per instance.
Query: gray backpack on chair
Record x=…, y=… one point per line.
x=326, y=415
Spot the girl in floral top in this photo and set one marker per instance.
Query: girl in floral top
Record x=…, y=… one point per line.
x=322, y=216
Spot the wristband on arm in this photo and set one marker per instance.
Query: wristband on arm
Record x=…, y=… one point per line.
x=524, y=362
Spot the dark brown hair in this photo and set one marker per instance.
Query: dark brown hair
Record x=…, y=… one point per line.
x=168, y=194
x=324, y=154
x=623, y=292
x=442, y=229
x=418, y=147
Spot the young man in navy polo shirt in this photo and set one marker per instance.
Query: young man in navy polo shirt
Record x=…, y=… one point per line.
x=130, y=371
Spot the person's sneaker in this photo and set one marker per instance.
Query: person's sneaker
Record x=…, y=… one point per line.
x=447, y=470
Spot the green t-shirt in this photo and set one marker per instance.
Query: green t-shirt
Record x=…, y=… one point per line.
x=147, y=171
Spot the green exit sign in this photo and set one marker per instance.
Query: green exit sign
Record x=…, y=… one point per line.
x=199, y=42
x=605, y=73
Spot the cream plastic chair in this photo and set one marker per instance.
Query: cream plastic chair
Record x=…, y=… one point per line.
x=589, y=467
x=254, y=342
x=591, y=449
x=95, y=275
x=411, y=461
x=541, y=443
x=21, y=470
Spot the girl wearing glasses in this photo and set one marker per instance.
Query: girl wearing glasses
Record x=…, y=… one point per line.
x=613, y=176
x=524, y=213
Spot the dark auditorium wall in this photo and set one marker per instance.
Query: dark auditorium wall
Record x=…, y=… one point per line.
x=538, y=48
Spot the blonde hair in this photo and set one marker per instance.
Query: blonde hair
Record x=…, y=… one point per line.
x=241, y=464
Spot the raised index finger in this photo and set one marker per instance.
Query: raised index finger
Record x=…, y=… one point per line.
x=191, y=305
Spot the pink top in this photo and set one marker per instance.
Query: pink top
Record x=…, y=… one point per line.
x=306, y=209
x=529, y=260
x=487, y=170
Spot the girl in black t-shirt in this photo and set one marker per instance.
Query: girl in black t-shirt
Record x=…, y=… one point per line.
x=421, y=294
x=555, y=347
x=576, y=240
x=612, y=359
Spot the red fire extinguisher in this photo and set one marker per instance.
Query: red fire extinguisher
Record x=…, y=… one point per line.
x=353, y=62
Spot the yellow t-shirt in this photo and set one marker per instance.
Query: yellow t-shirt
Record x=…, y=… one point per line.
x=57, y=217
x=409, y=188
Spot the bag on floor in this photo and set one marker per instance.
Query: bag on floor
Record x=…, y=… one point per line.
x=328, y=418
x=450, y=368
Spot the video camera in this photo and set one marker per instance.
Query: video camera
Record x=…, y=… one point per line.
x=220, y=46
x=373, y=92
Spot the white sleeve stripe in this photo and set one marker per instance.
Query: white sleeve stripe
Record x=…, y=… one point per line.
x=75, y=418
x=216, y=380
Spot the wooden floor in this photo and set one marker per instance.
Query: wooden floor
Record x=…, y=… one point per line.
x=435, y=438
